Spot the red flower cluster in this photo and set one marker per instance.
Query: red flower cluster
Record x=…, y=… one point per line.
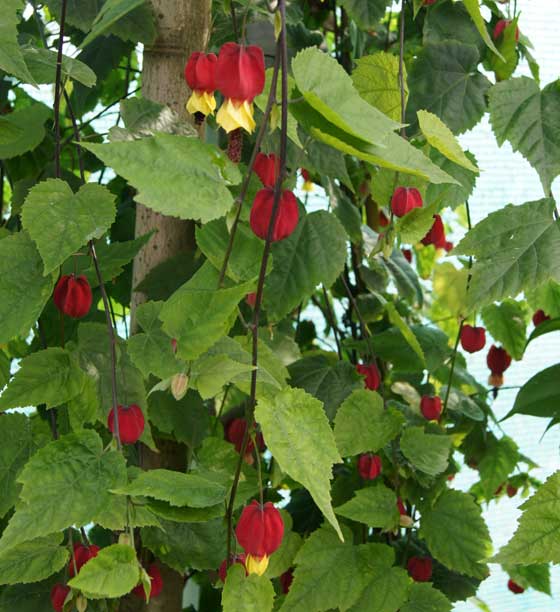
x=431, y=407
x=259, y=531
x=72, y=296
x=156, y=584
x=369, y=466
x=498, y=361
x=473, y=339
x=420, y=568
x=372, y=376
x=131, y=423
x=436, y=234
x=238, y=73
x=404, y=200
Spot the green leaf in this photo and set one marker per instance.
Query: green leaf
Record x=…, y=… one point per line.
x=376, y=77
x=20, y=437
x=23, y=287
x=79, y=13
x=298, y=434
x=424, y=598
x=198, y=313
x=531, y=576
x=11, y=58
x=366, y=13
x=114, y=572
x=323, y=160
x=445, y=81
x=68, y=482
x=456, y=534
x=416, y=223
x=33, y=561
x=530, y=120
x=396, y=319
x=137, y=26
x=33, y=597
x=329, y=381
x=473, y=8
x=313, y=254
x=441, y=137
x=246, y=593
x=42, y=65
x=110, y=13
x=60, y=222
x=499, y=461
x=362, y=424
x=451, y=21
x=507, y=46
x=283, y=559
x=386, y=591
x=194, y=490
x=209, y=373
x=336, y=99
x=452, y=195
x=375, y=506
x=537, y=538
x=151, y=351
x=506, y=324
x=547, y=297
x=463, y=404
x=49, y=377
x=184, y=166
x=540, y=395
x=23, y=130
x=516, y=248
x=404, y=276
x=245, y=259
x=199, y=546
x=427, y=452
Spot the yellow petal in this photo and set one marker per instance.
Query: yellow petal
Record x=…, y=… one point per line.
x=307, y=186
x=201, y=102
x=233, y=115
x=256, y=565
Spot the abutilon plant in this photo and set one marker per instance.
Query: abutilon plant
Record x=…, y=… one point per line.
x=200, y=74
x=261, y=214
x=404, y=200
x=131, y=423
x=72, y=295
x=473, y=338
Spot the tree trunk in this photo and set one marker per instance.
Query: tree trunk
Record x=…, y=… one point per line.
x=183, y=27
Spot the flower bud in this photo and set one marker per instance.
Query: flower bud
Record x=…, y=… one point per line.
x=511, y=491
x=431, y=407
x=81, y=603
x=540, y=317
x=436, y=234
x=286, y=218
x=473, y=339
x=251, y=299
x=179, y=385
x=59, y=593
x=260, y=530
x=514, y=587
x=501, y=26
x=372, y=377
x=82, y=554
x=405, y=520
x=267, y=168
x=369, y=466
x=404, y=200
x=72, y=296
x=131, y=423
x=420, y=569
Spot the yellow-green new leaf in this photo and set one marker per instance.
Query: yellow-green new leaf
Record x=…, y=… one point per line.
x=473, y=8
x=246, y=593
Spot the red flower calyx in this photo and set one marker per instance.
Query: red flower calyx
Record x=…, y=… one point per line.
x=372, y=376
x=514, y=587
x=131, y=423
x=431, y=407
x=436, y=234
x=82, y=554
x=267, y=168
x=369, y=466
x=473, y=339
x=287, y=215
x=259, y=531
x=200, y=74
x=156, y=584
x=72, y=296
x=501, y=26
x=540, y=317
x=240, y=76
x=222, y=572
x=307, y=182
x=59, y=593
x=404, y=200
x=419, y=568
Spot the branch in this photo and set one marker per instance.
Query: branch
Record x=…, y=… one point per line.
x=401, y=69
x=57, y=87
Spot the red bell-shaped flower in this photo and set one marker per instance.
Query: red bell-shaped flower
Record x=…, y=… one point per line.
x=82, y=554
x=222, y=572
x=436, y=234
x=235, y=431
x=72, y=296
x=473, y=339
x=156, y=583
x=540, y=317
x=511, y=490
x=431, y=407
x=420, y=568
x=286, y=218
x=371, y=373
x=260, y=529
x=501, y=26
x=498, y=359
x=240, y=76
x=131, y=423
x=514, y=587
x=404, y=200
x=369, y=466
x=267, y=168
x=251, y=299
x=407, y=254
x=59, y=593
x=200, y=74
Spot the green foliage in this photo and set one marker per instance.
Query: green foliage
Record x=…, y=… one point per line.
x=111, y=12
x=22, y=130
x=498, y=463
x=506, y=323
x=246, y=593
x=375, y=506
x=427, y=452
x=366, y=13
x=297, y=433
x=424, y=598
x=539, y=395
x=11, y=57
x=456, y=534
x=473, y=8
x=537, y=535
x=42, y=65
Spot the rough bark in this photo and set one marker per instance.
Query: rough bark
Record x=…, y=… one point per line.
x=183, y=27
